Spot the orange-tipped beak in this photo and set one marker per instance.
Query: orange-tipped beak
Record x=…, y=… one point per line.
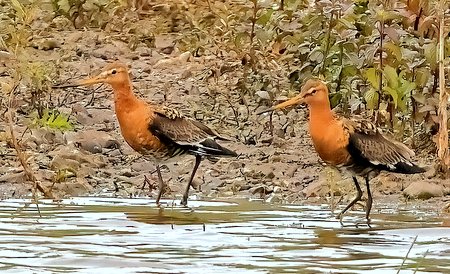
x=291, y=102
x=87, y=82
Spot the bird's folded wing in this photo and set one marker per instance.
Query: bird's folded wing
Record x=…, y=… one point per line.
x=181, y=128
x=171, y=127
x=370, y=144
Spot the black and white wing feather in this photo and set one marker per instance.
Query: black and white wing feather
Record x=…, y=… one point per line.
x=366, y=143
x=187, y=135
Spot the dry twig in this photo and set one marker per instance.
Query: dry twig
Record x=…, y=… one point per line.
x=407, y=254
x=28, y=173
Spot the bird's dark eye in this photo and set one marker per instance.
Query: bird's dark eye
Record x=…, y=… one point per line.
x=313, y=91
x=113, y=71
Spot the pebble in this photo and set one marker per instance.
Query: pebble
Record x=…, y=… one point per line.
x=423, y=190
x=93, y=141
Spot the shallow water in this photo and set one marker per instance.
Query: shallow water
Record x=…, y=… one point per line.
x=106, y=235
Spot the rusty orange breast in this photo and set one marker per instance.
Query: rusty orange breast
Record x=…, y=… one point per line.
x=134, y=118
x=329, y=137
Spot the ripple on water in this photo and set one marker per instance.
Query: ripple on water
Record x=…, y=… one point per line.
x=133, y=236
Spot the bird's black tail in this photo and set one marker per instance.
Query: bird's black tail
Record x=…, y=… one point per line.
x=211, y=148
x=408, y=168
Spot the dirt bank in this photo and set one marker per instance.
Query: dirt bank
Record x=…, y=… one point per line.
x=93, y=159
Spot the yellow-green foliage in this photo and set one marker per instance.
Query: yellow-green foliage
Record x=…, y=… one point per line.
x=62, y=175
x=54, y=119
x=15, y=24
x=86, y=12
x=36, y=74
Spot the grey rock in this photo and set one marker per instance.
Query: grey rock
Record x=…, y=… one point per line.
x=92, y=140
x=13, y=178
x=66, y=157
x=423, y=190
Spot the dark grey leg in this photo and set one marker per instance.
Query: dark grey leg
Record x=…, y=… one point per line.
x=198, y=159
x=369, y=200
x=162, y=185
x=356, y=199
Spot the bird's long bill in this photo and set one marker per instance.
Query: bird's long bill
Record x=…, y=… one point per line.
x=291, y=102
x=85, y=82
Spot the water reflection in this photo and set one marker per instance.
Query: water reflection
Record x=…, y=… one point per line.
x=132, y=236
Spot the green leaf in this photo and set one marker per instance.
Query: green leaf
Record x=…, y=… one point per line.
x=335, y=99
x=430, y=54
x=264, y=18
x=372, y=76
x=349, y=70
x=55, y=120
x=263, y=36
x=18, y=7
x=407, y=87
x=422, y=76
x=419, y=97
x=388, y=15
x=393, y=93
x=395, y=50
x=316, y=55
x=347, y=24
x=391, y=75
x=402, y=105
x=371, y=97
x=64, y=5
x=241, y=38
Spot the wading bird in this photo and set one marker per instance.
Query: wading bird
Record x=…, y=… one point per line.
x=350, y=144
x=160, y=134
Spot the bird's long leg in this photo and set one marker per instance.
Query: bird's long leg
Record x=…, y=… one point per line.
x=369, y=200
x=162, y=184
x=356, y=199
x=198, y=159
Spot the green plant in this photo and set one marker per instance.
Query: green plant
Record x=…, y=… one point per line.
x=96, y=13
x=54, y=119
x=378, y=56
x=36, y=76
x=15, y=30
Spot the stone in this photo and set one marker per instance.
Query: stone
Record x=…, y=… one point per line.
x=77, y=188
x=317, y=188
x=93, y=141
x=211, y=184
x=275, y=198
x=291, y=171
x=179, y=60
x=108, y=51
x=42, y=136
x=66, y=157
x=18, y=178
x=386, y=183
x=47, y=44
x=59, y=163
x=261, y=190
x=277, y=189
x=87, y=117
x=236, y=185
x=144, y=166
x=423, y=190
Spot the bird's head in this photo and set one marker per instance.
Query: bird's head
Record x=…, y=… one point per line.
x=314, y=91
x=115, y=74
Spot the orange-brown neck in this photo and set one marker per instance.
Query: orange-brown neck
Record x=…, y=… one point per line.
x=320, y=115
x=135, y=117
x=124, y=98
x=328, y=135
x=126, y=104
